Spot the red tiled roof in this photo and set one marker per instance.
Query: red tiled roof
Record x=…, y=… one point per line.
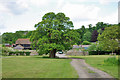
x=23, y=41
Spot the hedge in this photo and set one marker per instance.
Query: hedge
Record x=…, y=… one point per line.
x=19, y=52
x=102, y=52
x=27, y=53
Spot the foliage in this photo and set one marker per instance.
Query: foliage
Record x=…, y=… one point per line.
x=10, y=51
x=92, y=47
x=99, y=52
x=53, y=33
x=100, y=31
x=12, y=37
x=94, y=36
x=111, y=61
x=109, y=38
x=86, y=43
x=6, y=50
x=19, y=53
x=87, y=36
x=101, y=25
x=27, y=53
x=90, y=27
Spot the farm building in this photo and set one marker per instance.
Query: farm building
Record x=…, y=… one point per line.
x=22, y=44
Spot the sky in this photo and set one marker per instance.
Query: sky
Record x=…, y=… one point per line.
x=24, y=14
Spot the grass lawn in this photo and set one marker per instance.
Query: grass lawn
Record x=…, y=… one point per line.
x=37, y=67
x=97, y=62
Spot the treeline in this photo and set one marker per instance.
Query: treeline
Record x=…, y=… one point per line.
x=91, y=33
x=86, y=34
x=10, y=37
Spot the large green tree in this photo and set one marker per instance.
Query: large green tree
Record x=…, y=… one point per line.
x=109, y=38
x=87, y=36
x=54, y=33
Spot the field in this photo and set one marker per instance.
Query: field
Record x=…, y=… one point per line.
x=97, y=61
x=37, y=67
x=43, y=67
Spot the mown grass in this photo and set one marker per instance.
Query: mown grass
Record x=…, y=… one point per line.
x=97, y=61
x=37, y=67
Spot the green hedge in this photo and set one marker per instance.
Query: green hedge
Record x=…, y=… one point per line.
x=19, y=52
x=27, y=53
x=102, y=52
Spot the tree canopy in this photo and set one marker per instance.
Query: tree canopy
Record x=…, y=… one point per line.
x=54, y=33
x=10, y=37
x=109, y=38
x=87, y=36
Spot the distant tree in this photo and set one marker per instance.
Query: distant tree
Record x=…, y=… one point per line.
x=93, y=28
x=10, y=37
x=100, y=31
x=83, y=29
x=109, y=38
x=92, y=47
x=0, y=39
x=90, y=27
x=53, y=33
x=95, y=47
x=94, y=36
x=80, y=35
x=87, y=36
x=99, y=25
x=7, y=38
x=86, y=43
x=28, y=34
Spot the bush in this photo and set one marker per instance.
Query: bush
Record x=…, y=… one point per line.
x=5, y=50
x=111, y=61
x=86, y=43
x=27, y=53
x=21, y=52
x=102, y=52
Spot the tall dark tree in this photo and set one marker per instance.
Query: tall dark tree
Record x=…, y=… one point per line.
x=83, y=30
x=53, y=33
x=94, y=36
x=90, y=27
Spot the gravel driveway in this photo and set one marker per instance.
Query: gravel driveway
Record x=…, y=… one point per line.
x=86, y=71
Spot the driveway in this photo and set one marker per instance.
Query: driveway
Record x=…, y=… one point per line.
x=84, y=70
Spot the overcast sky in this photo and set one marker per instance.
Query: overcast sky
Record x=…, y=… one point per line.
x=23, y=14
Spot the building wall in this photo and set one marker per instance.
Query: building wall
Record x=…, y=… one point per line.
x=75, y=52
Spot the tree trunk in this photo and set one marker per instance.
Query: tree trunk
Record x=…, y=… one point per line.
x=98, y=52
x=52, y=53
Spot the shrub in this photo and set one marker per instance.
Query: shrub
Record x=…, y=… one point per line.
x=92, y=52
x=111, y=61
x=86, y=43
x=21, y=52
x=5, y=50
x=16, y=52
x=27, y=53
x=101, y=52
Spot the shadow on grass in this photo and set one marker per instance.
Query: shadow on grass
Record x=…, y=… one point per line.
x=47, y=57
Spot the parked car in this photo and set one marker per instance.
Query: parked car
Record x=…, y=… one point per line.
x=60, y=52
